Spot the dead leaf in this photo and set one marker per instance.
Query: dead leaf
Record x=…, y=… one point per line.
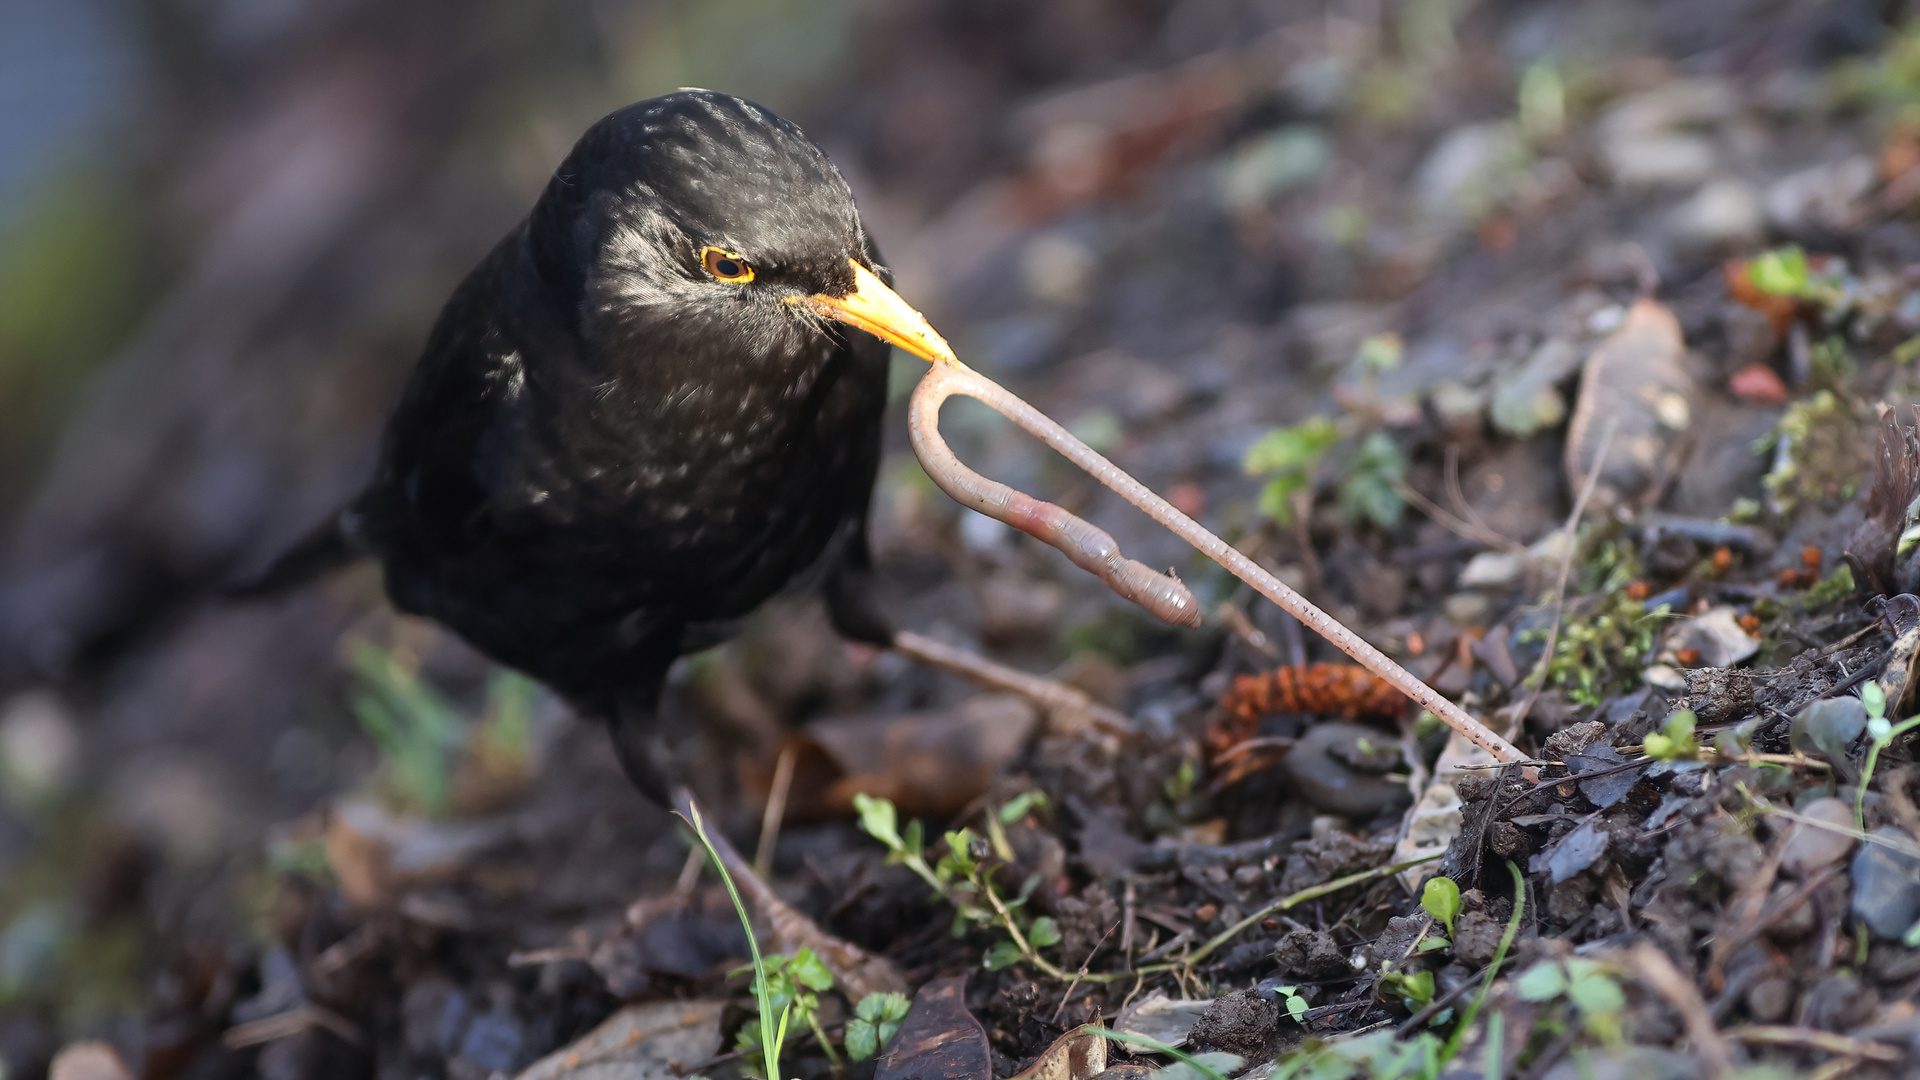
x=1160, y=1017
x=939, y=1039
x=929, y=764
x=1575, y=851
x=640, y=1042
x=1076, y=1055
x=1636, y=385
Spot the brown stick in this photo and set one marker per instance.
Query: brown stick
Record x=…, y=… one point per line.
x=1093, y=549
x=1667, y=980
x=1055, y=697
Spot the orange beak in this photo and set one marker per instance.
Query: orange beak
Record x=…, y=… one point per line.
x=879, y=311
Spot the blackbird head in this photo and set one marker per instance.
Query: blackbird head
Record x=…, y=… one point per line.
x=701, y=216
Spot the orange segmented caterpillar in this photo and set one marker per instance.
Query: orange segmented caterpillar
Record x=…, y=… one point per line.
x=1321, y=689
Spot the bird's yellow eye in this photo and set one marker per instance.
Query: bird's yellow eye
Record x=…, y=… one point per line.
x=726, y=266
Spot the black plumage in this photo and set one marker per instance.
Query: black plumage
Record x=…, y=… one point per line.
x=644, y=413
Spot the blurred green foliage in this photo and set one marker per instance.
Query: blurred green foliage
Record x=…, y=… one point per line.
x=72, y=284
x=766, y=50
x=424, y=740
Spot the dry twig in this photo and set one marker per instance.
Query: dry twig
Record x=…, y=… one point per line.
x=1666, y=980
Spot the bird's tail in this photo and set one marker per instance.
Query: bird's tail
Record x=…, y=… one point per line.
x=328, y=547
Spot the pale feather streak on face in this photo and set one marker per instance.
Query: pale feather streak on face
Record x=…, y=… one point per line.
x=878, y=310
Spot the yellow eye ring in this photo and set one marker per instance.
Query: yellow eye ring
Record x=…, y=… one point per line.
x=726, y=265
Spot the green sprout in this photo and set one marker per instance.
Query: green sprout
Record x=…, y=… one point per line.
x=415, y=729
x=1882, y=731
x=1415, y=988
x=1601, y=649
x=772, y=1034
x=1588, y=985
x=874, y=1021
x=964, y=878
x=1291, y=1000
x=1291, y=456
x=789, y=986
x=1674, y=741
x=1441, y=899
x=1209, y=1066
x=1370, y=481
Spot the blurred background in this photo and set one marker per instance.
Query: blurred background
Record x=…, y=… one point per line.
x=226, y=226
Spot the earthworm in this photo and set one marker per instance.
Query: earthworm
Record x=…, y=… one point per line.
x=1088, y=547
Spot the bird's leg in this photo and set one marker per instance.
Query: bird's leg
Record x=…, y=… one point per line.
x=1096, y=551
x=856, y=615
x=1057, y=698
x=633, y=719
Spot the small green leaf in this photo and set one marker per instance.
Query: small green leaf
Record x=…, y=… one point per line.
x=1417, y=988
x=1026, y=890
x=862, y=1039
x=1203, y=1066
x=1043, y=932
x=960, y=852
x=1020, y=804
x=1782, y=271
x=878, y=819
x=1543, y=981
x=1596, y=993
x=1001, y=955
x=1434, y=944
x=1381, y=352
x=1874, y=698
x=1675, y=741
x=1286, y=448
x=890, y=1007
x=1370, y=479
x=914, y=840
x=875, y=1020
x=1276, y=499
x=808, y=970
x=1441, y=899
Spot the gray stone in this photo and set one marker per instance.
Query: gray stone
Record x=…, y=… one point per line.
x=1825, y=198
x=1469, y=171
x=1493, y=570
x=1722, y=215
x=1810, y=848
x=1650, y=138
x=1886, y=883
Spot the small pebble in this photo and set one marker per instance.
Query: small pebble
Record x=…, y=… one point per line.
x=1468, y=609
x=1810, y=848
x=1723, y=214
x=1886, y=884
x=1840, y=1003
x=1492, y=570
x=1769, y=1000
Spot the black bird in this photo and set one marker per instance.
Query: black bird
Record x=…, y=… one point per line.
x=654, y=405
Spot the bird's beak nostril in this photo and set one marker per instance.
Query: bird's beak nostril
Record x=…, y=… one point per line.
x=878, y=310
